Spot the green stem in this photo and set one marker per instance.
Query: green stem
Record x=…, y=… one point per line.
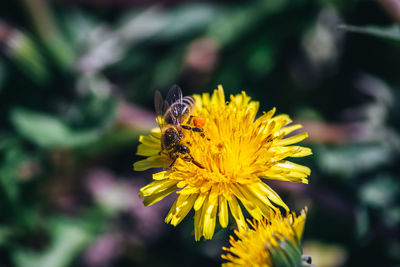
x=46, y=28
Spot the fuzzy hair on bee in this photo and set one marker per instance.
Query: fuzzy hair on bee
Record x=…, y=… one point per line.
x=172, y=115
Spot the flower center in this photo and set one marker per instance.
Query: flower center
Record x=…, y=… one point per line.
x=231, y=148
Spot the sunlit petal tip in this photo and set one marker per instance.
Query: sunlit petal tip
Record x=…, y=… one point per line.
x=199, y=201
x=302, y=152
x=304, y=211
x=307, y=170
x=140, y=165
x=151, y=162
x=160, y=175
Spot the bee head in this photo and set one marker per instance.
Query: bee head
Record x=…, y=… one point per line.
x=183, y=149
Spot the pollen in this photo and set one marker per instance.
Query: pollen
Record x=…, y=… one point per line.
x=199, y=121
x=239, y=152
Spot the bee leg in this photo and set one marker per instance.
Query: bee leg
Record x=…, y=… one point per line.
x=186, y=127
x=191, y=159
x=202, y=134
x=172, y=164
x=195, y=129
x=197, y=164
x=190, y=119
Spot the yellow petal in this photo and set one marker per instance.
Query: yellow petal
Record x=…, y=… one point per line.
x=147, y=151
x=294, y=167
x=213, y=196
x=151, y=162
x=267, y=116
x=223, y=214
x=272, y=195
x=199, y=201
x=170, y=213
x=150, y=200
x=288, y=129
x=302, y=152
x=198, y=228
x=161, y=175
x=292, y=140
x=202, y=216
x=236, y=212
x=150, y=140
x=156, y=132
x=157, y=186
x=220, y=96
x=183, y=205
x=259, y=198
x=298, y=225
x=282, y=117
x=210, y=218
x=249, y=206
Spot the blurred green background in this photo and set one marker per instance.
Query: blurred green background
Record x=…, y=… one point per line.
x=77, y=79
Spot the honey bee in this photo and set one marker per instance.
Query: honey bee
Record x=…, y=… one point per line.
x=172, y=114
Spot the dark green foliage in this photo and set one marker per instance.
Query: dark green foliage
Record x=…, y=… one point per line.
x=76, y=90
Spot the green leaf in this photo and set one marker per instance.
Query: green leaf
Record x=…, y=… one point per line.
x=24, y=52
x=391, y=33
x=9, y=182
x=351, y=160
x=167, y=70
x=261, y=57
x=236, y=21
x=187, y=19
x=49, y=131
x=96, y=109
x=42, y=20
x=69, y=238
x=381, y=191
x=12, y=159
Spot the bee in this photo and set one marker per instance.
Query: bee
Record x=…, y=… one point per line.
x=172, y=114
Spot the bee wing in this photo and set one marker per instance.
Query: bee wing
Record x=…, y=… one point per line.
x=174, y=95
x=158, y=103
x=173, y=107
x=160, y=106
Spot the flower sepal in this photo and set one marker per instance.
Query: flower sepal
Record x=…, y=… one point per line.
x=286, y=254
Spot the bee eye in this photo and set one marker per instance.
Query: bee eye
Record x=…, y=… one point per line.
x=185, y=149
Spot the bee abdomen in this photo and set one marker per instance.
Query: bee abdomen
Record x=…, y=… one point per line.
x=170, y=138
x=178, y=112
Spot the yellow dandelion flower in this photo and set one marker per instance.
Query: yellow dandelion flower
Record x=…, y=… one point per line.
x=273, y=242
x=238, y=152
